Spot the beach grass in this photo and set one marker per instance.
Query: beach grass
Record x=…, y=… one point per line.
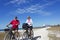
x=53, y=36
x=2, y=35
x=57, y=28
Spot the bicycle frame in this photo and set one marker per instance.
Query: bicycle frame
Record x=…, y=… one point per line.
x=10, y=33
x=27, y=34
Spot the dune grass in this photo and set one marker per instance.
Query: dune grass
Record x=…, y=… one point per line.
x=53, y=36
x=54, y=28
x=2, y=35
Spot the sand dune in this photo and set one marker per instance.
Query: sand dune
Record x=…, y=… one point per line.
x=41, y=32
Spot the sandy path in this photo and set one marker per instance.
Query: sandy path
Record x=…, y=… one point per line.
x=41, y=32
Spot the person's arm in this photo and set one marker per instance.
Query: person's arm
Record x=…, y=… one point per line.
x=9, y=23
x=18, y=23
x=31, y=21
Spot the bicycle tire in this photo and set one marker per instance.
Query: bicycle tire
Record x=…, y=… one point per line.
x=32, y=34
x=7, y=37
x=19, y=36
x=24, y=36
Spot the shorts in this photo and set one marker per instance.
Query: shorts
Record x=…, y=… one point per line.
x=14, y=28
x=31, y=27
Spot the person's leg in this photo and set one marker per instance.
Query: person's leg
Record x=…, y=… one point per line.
x=31, y=27
x=16, y=32
x=13, y=33
x=27, y=30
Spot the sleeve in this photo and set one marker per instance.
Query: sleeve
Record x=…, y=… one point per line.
x=31, y=21
x=18, y=22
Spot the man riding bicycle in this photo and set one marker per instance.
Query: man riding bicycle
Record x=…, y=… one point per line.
x=15, y=23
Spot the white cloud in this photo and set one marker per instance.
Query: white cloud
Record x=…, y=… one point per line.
x=34, y=9
x=37, y=8
x=50, y=0
x=17, y=2
x=21, y=11
x=45, y=0
x=45, y=13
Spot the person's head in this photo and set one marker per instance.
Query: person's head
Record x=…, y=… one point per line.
x=28, y=17
x=16, y=18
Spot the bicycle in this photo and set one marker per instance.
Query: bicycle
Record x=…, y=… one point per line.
x=26, y=35
x=9, y=35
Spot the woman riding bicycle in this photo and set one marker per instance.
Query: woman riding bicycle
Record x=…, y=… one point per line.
x=14, y=24
x=29, y=22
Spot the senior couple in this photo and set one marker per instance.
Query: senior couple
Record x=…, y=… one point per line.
x=15, y=23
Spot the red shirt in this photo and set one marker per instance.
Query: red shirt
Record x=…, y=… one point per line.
x=15, y=23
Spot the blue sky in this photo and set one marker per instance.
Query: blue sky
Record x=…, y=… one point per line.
x=41, y=11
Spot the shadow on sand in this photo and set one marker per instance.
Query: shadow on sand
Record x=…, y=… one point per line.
x=35, y=38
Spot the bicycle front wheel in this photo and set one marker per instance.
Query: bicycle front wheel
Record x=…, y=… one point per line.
x=7, y=36
x=24, y=36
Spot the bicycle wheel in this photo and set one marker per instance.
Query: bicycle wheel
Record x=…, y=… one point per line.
x=7, y=37
x=18, y=36
x=32, y=34
x=24, y=36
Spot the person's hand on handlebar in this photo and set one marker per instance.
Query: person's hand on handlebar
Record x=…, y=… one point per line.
x=8, y=25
